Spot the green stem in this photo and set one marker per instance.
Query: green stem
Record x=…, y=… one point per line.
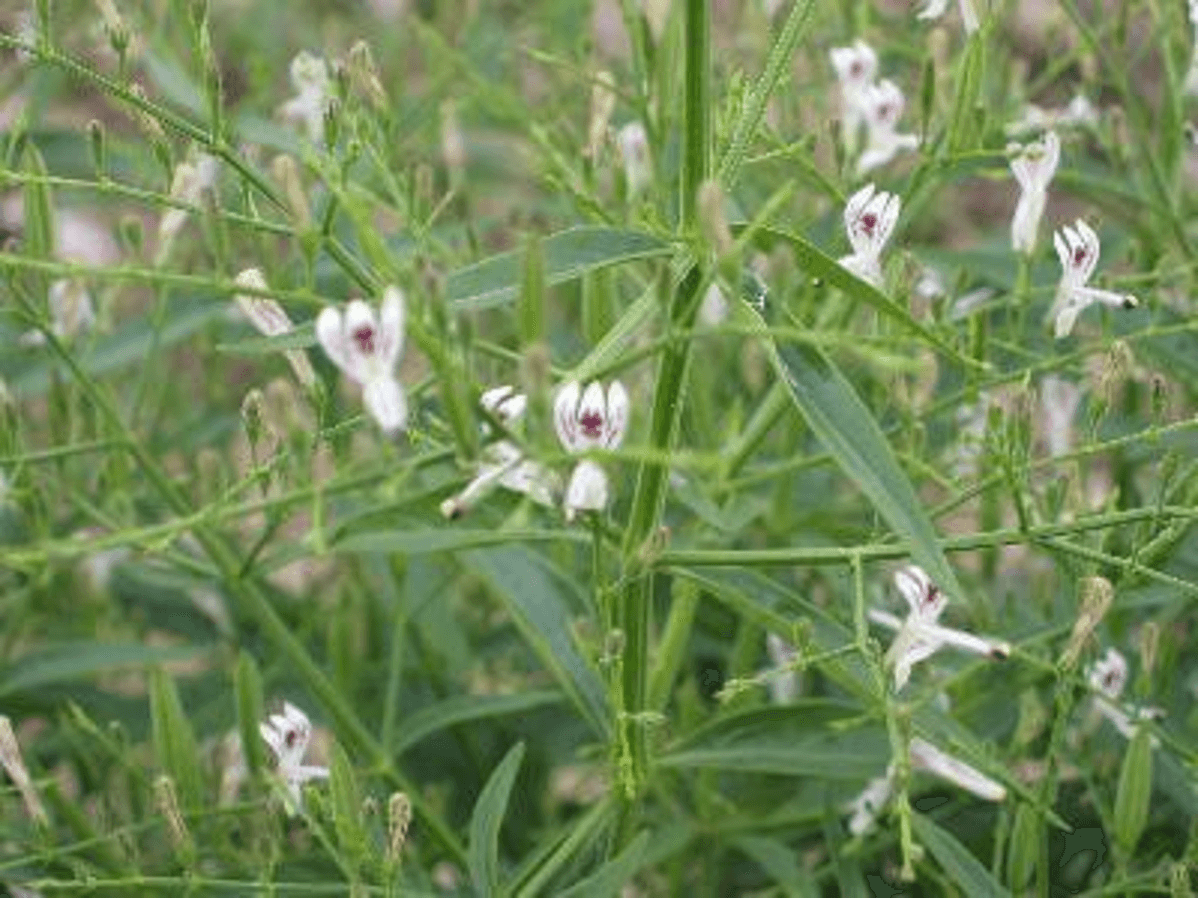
x=652, y=479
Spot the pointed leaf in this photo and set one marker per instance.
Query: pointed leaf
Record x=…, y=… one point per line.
x=608, y=880
x=486, y=820
x=463, y=708
x=539, y=599
x=566, y=255
x=174, y=740
x=965, y=869
x=843, y=423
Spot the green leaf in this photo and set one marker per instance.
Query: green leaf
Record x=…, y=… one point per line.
x=302, y=336
x=483, y=858
x=1135, y=790
x=75, y=661
x=172, y=83
x=447, y=539
x=127, y=347
x=462, y=708
x=779, y=861
x=799, y=739
x=817, y=263
x=538, y=598
x=609, y=879
x=174, y=740
x=247, y=689
x=965, y=869
x=1023, y=850
x=346, y=799
x=843, y=423
x=567, y=255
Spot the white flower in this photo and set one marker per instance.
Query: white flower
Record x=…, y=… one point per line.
x=1107, y=678
x=882, y=106
x=1059, y=399
x=866, y=806
x=856, y=67
x=934, y=9
x=502, y=463
x=713, y=308
x=310, y=78
x=1077, y=248
x=1033, y=167
x=869, y=218
x=288, y=735
x=585, y=420
x=270, y=320
x=920, y=635
x=366, y=348
x=633, y=142
x=1079, y=113
x=784, y=679
x=925, y=757
x=190, y=180
x=71, y=312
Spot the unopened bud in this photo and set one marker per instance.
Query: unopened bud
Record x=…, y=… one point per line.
x=657, y=14
x=1150, y=643
x=399, y=818
x=453, y=146
x=14, y=766
x=712, y=219
x=287, y=174
x=167, y=799
x=603, y=104
x=1096, y=597
x=364, y=77
x=633, y=141
x=148, y=124
x=253, y=415
x=99, y=147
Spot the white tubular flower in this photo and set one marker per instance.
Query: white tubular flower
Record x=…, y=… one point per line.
x=926, y=756
x=1108, y=677
x=585, y=420
x=920, y=636
x=934, y=9
x=268, y=317
x=1033, y=167
x=190, y=181
x=882, y=106
x=866, y=806
x=1059, y=399
x=869, y=218
x=310, y=78
x=366, y=347
x=71, y=313
x=633, y=142
x=288, y=735
x=856, y=67
x=783, y=680
x=502, y=463
x=1077, y=248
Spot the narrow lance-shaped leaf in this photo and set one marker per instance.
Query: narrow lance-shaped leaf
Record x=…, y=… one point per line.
x=961, y=866
x=853, y=438
x=486, y=820
x=174, y=740
x=567, y=255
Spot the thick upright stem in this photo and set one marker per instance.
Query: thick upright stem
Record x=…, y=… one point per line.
x=635, y=600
